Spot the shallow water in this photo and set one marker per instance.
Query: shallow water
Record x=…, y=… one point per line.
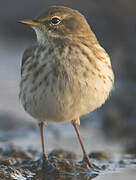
x=19, y=164
x=20, y=155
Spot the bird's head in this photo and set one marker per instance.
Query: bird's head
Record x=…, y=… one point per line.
x=59, y=22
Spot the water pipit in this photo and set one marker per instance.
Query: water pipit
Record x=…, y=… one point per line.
x=67, y=74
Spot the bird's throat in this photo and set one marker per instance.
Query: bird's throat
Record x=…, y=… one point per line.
x=41, y=37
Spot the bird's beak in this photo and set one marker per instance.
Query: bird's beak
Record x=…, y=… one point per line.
x=30, y=22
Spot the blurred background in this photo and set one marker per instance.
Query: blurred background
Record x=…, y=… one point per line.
x=110, y=128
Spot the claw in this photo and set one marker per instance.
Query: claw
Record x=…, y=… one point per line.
x=47, y=166
x=91, y=165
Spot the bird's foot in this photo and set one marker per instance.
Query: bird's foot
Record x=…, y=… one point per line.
x=87, y=160
x=48, y=166
x=90, y=164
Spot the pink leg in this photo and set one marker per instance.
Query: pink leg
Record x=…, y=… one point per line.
x=86, y=158
x=41, y=125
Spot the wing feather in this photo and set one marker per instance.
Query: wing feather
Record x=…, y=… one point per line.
x=28, y=53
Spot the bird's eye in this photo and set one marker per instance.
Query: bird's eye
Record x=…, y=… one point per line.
x=55, y=20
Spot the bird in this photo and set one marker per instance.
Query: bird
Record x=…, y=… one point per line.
x=66, y=74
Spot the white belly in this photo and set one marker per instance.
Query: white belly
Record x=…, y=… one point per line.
x=64, y=101
x=78, y=88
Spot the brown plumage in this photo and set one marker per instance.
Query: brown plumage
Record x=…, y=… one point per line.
x=67, y=74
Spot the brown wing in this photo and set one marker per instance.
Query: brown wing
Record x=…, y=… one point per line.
x=27, y=54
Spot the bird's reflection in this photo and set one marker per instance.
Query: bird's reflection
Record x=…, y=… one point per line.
x=61, y=176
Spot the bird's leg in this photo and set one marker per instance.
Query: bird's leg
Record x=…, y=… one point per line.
x=45, y=156
x=46, y=164
x=76, y=123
